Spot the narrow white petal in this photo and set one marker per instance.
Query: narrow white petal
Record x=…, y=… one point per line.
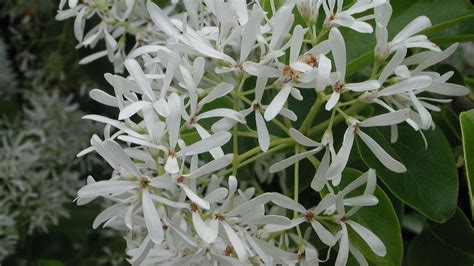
x=137, y=73
x=448, y=89
x=193, y=197
x=302, y=139
x=107, y=213
x=152, y=219
x=338, y=48
x=409, y=84
x=236, y=242
x=283, y=164
x=287, y=203
x=363, y=86
x=333, y=100
x=207, y=144
x=222, y=112
x=171, y=165
x=132, y=109
x=340, y=161
x=212, y=166
x=103, y=97
x=262, y=131
x=320, y=177
x=121, y=159
x=370, y=238
x=323, y=234
x=415, y=26
x=296, y=42
x=362, y=200
x=206, y=231
x=277, y=103
x=219, y=91
x=161, y=20
x=387, y=119
x=92, y=57
x=381, y=154
x=343, y=253
x=216, y=195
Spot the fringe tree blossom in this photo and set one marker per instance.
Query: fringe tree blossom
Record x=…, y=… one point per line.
x=179, y=191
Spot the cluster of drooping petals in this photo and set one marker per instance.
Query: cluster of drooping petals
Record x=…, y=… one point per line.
x=199, y=75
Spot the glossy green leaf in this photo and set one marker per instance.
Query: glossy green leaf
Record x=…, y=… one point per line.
x=451, y=243
x=381, y=219
x=467, y=128
x=430, y=184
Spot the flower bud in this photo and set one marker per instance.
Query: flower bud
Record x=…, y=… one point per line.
x=309, y=9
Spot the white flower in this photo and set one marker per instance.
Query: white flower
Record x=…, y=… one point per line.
x=335, y=16
x=340, y=161
x=343, y=218
x=338, y=48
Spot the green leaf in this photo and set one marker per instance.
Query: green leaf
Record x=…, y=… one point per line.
x=381, y=219
x=430, y=184
x=467, y=128
x=451, y=243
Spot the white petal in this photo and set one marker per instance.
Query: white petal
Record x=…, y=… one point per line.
x=262, y=131
x=216, y=195
x=362, y=200
x=448, y=89
x=283, y=164
x=359, y=26
x=389, y=69
x=333, y=100
x=161, y=19
x=410, y=84
x=236, y=242
x=206, y=231
x=152, y=219
x=296, y=42
x=206, y=144
x=173, y=120
x=340, y=161
x=222, y=112
x=343, y=253
x=212, y=166
x=323, y=234
x=219, y=91
x=103, y=97
x=277, y=103
x=268, y=219
x=387, y=119
x=287, y=203
x=132, y=109
x=363, y=86
x=107, y=214
x=137, y=73
x=370, y=238
x=319, y=179
x=338, y=48
x=381, y=154
x=302, y=139
x=171, y=165
x=92, y=57
x=195, y=198
x=415, y=26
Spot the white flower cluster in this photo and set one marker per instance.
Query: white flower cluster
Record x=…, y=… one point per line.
x=38, y=173
x=198, y=76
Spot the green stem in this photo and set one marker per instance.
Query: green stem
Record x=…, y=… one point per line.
x=296, y=193
x=311, y=115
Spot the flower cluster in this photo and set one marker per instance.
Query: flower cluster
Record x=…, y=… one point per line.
x=38, y=173
x=196, y=78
